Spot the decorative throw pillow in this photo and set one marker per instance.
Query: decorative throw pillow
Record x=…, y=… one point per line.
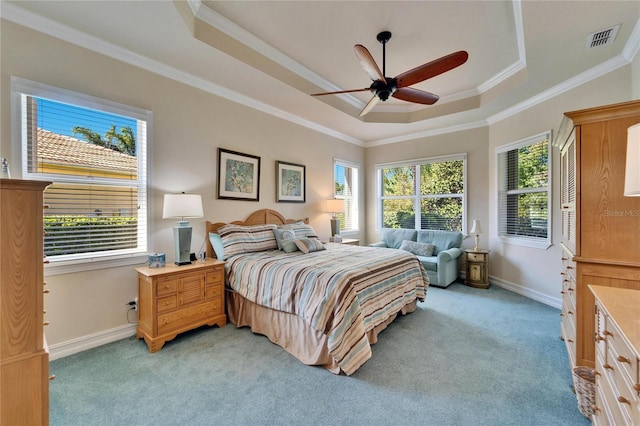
x=216, y=243
x=309, y=245
x=301, y=229
x=419, y=249
x=237, y=239
x=286, y=240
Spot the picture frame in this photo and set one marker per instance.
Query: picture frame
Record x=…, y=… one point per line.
x=291, y=182
x=238, y=176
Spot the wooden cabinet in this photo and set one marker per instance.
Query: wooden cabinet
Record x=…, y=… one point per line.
x=477, y=268
x=24, y=357
x=174, y=299
x=617, y=348
x=600, y=226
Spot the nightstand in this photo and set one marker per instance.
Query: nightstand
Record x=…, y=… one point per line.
x=350, y=241
x=477, y=272
x=174, y=299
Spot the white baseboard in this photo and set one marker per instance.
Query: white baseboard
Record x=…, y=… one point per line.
x=554, y=302
x=70, y=347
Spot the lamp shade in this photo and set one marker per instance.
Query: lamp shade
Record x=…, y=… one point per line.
x=476, y=228
x=182, y=206
x=632, y=171
x=334, y=206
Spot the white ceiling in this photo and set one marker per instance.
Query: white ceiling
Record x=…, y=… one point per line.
x=271, y=55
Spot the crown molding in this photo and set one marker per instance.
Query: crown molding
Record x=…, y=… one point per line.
x=52, y=28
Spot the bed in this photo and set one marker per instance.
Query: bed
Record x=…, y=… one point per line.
x=323, y=303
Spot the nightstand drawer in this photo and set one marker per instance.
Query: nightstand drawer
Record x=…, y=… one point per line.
x=166, y=286
x=186, y=317
x=215, y=276
x=476, y=257
x=213, y=291
x=167, y=303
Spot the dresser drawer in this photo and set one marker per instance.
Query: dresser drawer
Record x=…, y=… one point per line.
x=187, y=317
x=165, y=304
x=166, y=286
x=621, y=354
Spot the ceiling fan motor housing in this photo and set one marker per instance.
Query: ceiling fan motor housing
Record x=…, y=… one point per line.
x=384, y=89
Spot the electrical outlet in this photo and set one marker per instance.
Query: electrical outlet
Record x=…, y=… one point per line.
x=135, y=307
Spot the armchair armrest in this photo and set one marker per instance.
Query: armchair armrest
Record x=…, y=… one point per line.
x=447, y=255
x=379, y=244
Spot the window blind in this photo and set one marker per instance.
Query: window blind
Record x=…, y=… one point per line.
x=523, y=198
x=346, y=188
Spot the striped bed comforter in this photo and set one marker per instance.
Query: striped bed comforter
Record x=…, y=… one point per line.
x=344, y=291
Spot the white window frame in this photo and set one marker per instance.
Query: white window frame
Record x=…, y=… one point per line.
x=95, y=260
x=355, y=197
x=416, y=196
x=527, y=241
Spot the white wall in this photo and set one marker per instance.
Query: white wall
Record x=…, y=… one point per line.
x=189, y=125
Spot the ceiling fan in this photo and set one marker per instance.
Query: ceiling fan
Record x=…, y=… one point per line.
x=398, y=87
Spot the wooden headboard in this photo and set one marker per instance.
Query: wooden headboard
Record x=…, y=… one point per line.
x=259, y=217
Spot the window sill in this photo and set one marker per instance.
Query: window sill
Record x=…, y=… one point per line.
x=90, y=264
x=526, y=242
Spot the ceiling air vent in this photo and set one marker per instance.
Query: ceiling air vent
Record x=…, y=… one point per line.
x=602, y=37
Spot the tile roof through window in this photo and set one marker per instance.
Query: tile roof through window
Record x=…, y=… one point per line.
x=61, y=149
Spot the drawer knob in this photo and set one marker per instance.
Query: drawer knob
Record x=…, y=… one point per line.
x=607, y=333
x=623, y=359
x=52, y=377
x=570, y=340
x=570, y=312
x=599, y=338
x=595, y=408
x=45, y=323
x=562, y=292
x=46, y=291
x=624, y=400
x=637, y=387
x=608, y=366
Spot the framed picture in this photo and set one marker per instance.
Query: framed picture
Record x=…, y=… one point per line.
x=238, y=176
x=290, y=183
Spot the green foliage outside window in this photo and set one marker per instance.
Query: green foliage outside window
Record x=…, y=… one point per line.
x=440, y=195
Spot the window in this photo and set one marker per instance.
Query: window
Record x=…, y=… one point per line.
x=345, y=177
x=524, y=199
x=423, y=194
x=94, y=153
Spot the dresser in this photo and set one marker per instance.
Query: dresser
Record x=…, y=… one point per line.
x=600, y=227
x=24, y=356
x=174, y=299
x=617, y=347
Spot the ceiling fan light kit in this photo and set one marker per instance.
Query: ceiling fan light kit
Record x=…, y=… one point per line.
x=397, y=87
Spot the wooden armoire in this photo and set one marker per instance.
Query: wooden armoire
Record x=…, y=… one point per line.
x=24, y=357
x=600, y=226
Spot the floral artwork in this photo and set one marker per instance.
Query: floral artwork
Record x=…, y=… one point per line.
x=290, y=182
x=238, y=176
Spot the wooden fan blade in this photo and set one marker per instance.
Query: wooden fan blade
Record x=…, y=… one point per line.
x=372, y=102
x=368, y=63
x=416, y=96
x=341, y=91
x=432, y=69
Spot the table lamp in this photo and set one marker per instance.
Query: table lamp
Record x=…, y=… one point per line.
x=182, y=206
x=476, y=229
x=335, y=206
x=632, y=171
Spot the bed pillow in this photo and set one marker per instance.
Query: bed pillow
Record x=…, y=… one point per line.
x=301, y=229
x=285, y=239
x=216, y=243
x=237, y=239
x=419, y=249
x=309, y=245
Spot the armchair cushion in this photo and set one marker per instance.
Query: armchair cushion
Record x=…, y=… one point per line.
x=394, y=237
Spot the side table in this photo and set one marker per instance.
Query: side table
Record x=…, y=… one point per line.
x=477, y=272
